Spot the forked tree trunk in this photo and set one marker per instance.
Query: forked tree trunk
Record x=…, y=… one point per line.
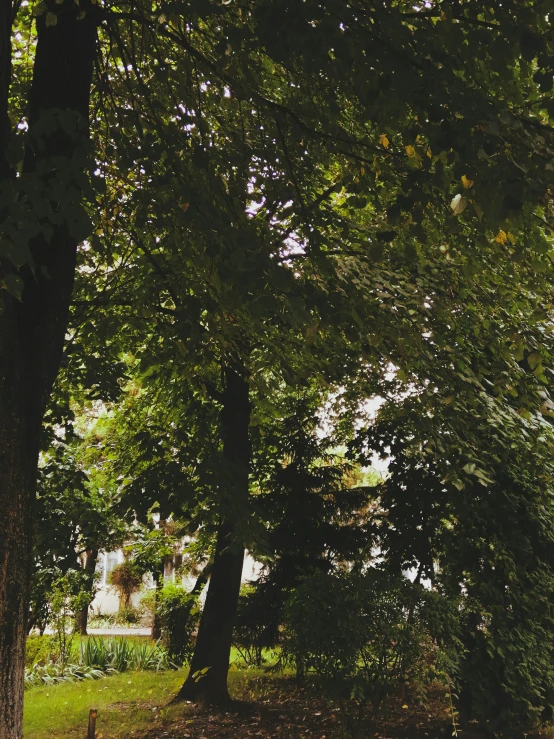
x=207, y=679
x=32, y=330
x=91, y=558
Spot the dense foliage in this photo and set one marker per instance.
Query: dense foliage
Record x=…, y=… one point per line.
x=287, y=229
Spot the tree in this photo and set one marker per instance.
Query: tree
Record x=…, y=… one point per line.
x=37, y=270
x=150, y=549
x=478, y=521
x=315, y=513
x=73, y=516
x=374, y=260
x=324, y=111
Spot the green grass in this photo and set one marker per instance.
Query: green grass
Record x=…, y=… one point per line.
x=124, y=702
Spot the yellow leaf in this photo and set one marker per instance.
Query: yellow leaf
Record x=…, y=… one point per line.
x=501, y=237
x=405, y=705
x=384, y=140
x=466, y=182
x=51, y=19
x=511, y=238
x=410, y=151
x=458, y=204
x=429, y=153
x=376, y=167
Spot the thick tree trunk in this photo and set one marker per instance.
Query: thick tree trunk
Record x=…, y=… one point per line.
x=32, y=330
x=5, y=79
x=91, y=558
x=215, y=633
x=202, y=579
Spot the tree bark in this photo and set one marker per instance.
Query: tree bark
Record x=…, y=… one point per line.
x=6, y=21
x=32, y=330
x=215, y=633
x=156, y=621
x=91, y=558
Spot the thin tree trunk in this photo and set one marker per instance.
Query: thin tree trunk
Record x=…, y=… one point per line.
x=207, y=679
x=91, y=558
x=156, y=621
x=32, y=330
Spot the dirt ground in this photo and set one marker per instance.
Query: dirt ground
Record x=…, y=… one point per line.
x=282, y=710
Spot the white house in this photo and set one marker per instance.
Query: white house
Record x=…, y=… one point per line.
x=106, y=601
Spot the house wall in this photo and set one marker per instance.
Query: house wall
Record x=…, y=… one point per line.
x=106, y=601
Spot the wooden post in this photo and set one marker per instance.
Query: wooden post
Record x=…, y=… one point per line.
x=92, y=723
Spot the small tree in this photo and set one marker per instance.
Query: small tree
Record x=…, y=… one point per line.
x=127, y=579
x=149, y=550
x=315, y=519
x=68, y=595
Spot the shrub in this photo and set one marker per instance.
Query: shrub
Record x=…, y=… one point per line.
x=40, y=650
x=257, y=623
x=128, y=615
x=178, y=612
x=368, y=635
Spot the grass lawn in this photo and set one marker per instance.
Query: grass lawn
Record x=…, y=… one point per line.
x=133, y=705
x=127, y=703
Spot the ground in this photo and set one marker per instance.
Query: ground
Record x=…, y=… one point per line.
x=134, y=705
x=280, y=709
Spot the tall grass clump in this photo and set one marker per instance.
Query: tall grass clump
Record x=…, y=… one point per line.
x=95, y=658
x=122, y=654
x=55, y=672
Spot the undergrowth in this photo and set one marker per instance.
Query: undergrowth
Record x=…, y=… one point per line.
x=92, y=658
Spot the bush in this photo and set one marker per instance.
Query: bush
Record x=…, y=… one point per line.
x=257, y=622
x=368, y=636
x=178, y=612
x=507, y=674
x=40, y=650
x=127, y=615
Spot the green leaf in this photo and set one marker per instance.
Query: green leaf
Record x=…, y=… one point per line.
x=14, y=285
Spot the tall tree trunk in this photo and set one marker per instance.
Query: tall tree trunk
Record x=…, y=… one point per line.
x=91, y=558
x=215, y=633
x=6, y=21
x=32, y=330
